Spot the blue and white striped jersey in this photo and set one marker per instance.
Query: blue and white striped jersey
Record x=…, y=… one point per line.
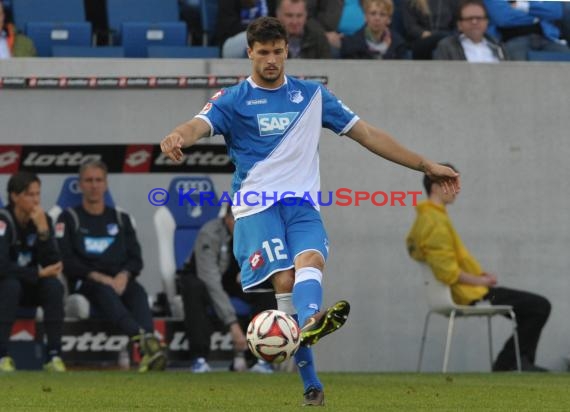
x=272, y=137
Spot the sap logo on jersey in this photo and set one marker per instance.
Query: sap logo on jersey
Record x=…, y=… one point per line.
x=275, y=123
x=97, y=245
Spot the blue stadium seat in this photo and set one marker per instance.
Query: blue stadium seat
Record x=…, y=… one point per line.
x=136, y=37
x=545, y=56
x=79, y=51
x=176, y=228
x=183, y=52
x=209, y=18
x=25, y=11
x=46, y=35
x=151, y=11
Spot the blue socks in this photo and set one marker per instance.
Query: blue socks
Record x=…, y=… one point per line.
x=307, y=299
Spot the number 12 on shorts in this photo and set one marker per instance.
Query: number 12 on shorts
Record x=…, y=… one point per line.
x=275, y=252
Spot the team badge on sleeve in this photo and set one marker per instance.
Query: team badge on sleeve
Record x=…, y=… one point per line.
x=218, y=94
x=206, y=108
x=59, y=230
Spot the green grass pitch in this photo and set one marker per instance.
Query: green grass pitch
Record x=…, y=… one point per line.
x=226, y=391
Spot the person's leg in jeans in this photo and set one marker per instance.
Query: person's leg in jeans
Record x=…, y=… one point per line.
x=49, y=295
x=135, y=299
x=518, y=47
x=532, y=312
x=10, y=293
x=110, y=305
x=198, y=325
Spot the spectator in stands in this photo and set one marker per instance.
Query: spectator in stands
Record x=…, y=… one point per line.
x=471, y=43
x=30, y=264
x=426, y=22
x=375, y=40
x=338, y=18
x=235, y=15
x=209, y=280
x=433, y=240
x=307, y=40
x=527, y=25
x=102, y=258
x=12, y=43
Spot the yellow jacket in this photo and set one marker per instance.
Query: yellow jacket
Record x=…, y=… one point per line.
x=434, y=240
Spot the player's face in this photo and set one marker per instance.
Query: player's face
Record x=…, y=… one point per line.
x=93, y=184
x=25, y=202
x=268, y=61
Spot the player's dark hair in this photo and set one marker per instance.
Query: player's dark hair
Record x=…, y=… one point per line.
x=265, y=29
x=20, y=182
x=97, y=164
x=428, y=183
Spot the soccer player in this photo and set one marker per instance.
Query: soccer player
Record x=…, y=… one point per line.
x=271, y=124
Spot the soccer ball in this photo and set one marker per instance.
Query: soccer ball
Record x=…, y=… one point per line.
x=273, y=336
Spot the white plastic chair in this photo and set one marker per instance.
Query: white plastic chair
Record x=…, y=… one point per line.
x=440, y=302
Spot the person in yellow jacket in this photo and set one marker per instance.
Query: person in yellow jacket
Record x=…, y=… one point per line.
x=12, y=43
x=433, y=240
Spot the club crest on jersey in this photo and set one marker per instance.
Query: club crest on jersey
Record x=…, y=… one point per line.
x=295, y=96
x=256, y=260
x=275, y=123
x=112, y=229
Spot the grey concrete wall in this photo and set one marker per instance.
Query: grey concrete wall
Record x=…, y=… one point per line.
x=504, y=126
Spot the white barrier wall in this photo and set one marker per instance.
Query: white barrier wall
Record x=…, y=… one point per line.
x=504, y=126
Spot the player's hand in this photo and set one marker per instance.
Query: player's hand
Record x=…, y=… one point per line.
x=490, y=279
x=52, y=270
x=445, y=176
x=171, y=146
x=238, y=338
x=38, y=216
x=120, y=282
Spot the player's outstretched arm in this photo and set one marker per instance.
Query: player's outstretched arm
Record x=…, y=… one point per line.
x=184, y=135
x=384, y=145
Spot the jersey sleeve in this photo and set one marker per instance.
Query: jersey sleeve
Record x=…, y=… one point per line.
x=218, y=112
x=336, y=115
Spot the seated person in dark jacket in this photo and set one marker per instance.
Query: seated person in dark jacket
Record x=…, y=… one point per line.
x=29, y=267
x=471, y=43
x=375, y=40
x=210, y=280
x=102, y=258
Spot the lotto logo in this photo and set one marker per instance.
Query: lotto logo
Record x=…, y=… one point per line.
x=275, y=123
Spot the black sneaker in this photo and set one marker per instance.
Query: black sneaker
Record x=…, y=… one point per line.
x=314, y=397
x=323, y=323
